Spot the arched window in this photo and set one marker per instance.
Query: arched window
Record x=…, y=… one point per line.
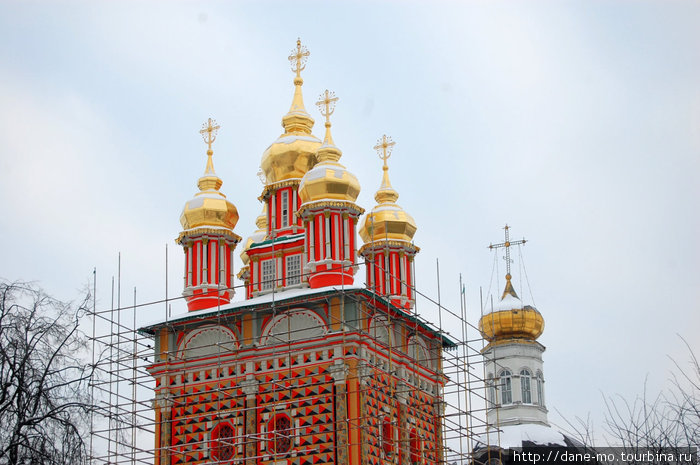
x=525, y=393
x=223, y=447
x=506, y=387
x=540, y=389
x=387, y=436
x=415, y=446
x=279, y=434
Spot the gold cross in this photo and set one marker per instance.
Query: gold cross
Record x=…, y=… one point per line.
x=208, y=132
x=507, y=244
x=384, y=147
x=326, y=104
x=298, y=58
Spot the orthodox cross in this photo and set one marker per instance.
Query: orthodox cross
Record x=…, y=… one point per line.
x=298, y=58
x=326, y=104
x=507, y=244
x=208, y=132
x=384, y=147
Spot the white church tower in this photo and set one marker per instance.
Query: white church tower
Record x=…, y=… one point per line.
x=513, y=357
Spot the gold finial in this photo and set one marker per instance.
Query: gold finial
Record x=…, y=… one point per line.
x=507, y=245
x=208, y=132
x=386, y=193
x=326, y=105
x=384, y=147
x=298, y=58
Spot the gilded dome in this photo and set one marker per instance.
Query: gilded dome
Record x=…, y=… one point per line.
x=257, y=236
x=293, y=153
x=209, y=206
x=510, y=319
x=387, y=220
x=329, y=180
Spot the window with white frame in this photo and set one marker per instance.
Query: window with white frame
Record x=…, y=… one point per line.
x=293, y=269
x=285, y=209
x=525, y=392
x=506, y=383
x=268, y=274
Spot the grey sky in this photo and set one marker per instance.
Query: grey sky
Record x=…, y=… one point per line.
x=578, y=123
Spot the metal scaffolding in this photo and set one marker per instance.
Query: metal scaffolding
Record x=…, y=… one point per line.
x=125, y=430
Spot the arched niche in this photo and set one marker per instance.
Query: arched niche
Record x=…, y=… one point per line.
x=293, y=326
x=207, y=341
x=419, y=351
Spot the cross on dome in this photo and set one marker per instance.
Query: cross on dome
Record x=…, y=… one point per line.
x=326, y=104
x=507, y=245
x=384, y=147
x=208, y=132
x=298, y=58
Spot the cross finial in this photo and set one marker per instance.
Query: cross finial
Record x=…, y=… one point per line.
x=298, y=58
x=326, y=104
x=507, y=244
x=384, y=147
x=208, y=132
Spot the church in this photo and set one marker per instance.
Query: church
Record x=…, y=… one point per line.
x=310, y=367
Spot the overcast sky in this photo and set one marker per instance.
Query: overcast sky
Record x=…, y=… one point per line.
x=577, y=123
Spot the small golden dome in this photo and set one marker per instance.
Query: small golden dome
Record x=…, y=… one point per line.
x=293, y=153
x=387, y=220
x=257, y=236
x=510, y=319
x=209, y=207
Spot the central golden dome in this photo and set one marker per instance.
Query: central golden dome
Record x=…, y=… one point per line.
x=293, y=153
x=510, y=319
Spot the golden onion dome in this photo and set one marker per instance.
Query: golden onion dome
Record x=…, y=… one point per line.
x=510, y=319
x=209, y=207
x=257, y=236
x=328, y=180
x=293, y=153
x=387, y=220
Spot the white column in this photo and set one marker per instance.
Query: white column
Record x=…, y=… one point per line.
x=230, y=264
x=402, y=262
x=189, y=265
x=198, y=277
x=312, y=239
x=328, y=237
x=212, y=263
x=346, y=238
x=278, y=271
x=222, y=263
x=273, y=210
x=184, y=249
x=335, y=231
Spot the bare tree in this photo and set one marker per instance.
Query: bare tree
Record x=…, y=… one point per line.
x=670, y=421
x=44, y=377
